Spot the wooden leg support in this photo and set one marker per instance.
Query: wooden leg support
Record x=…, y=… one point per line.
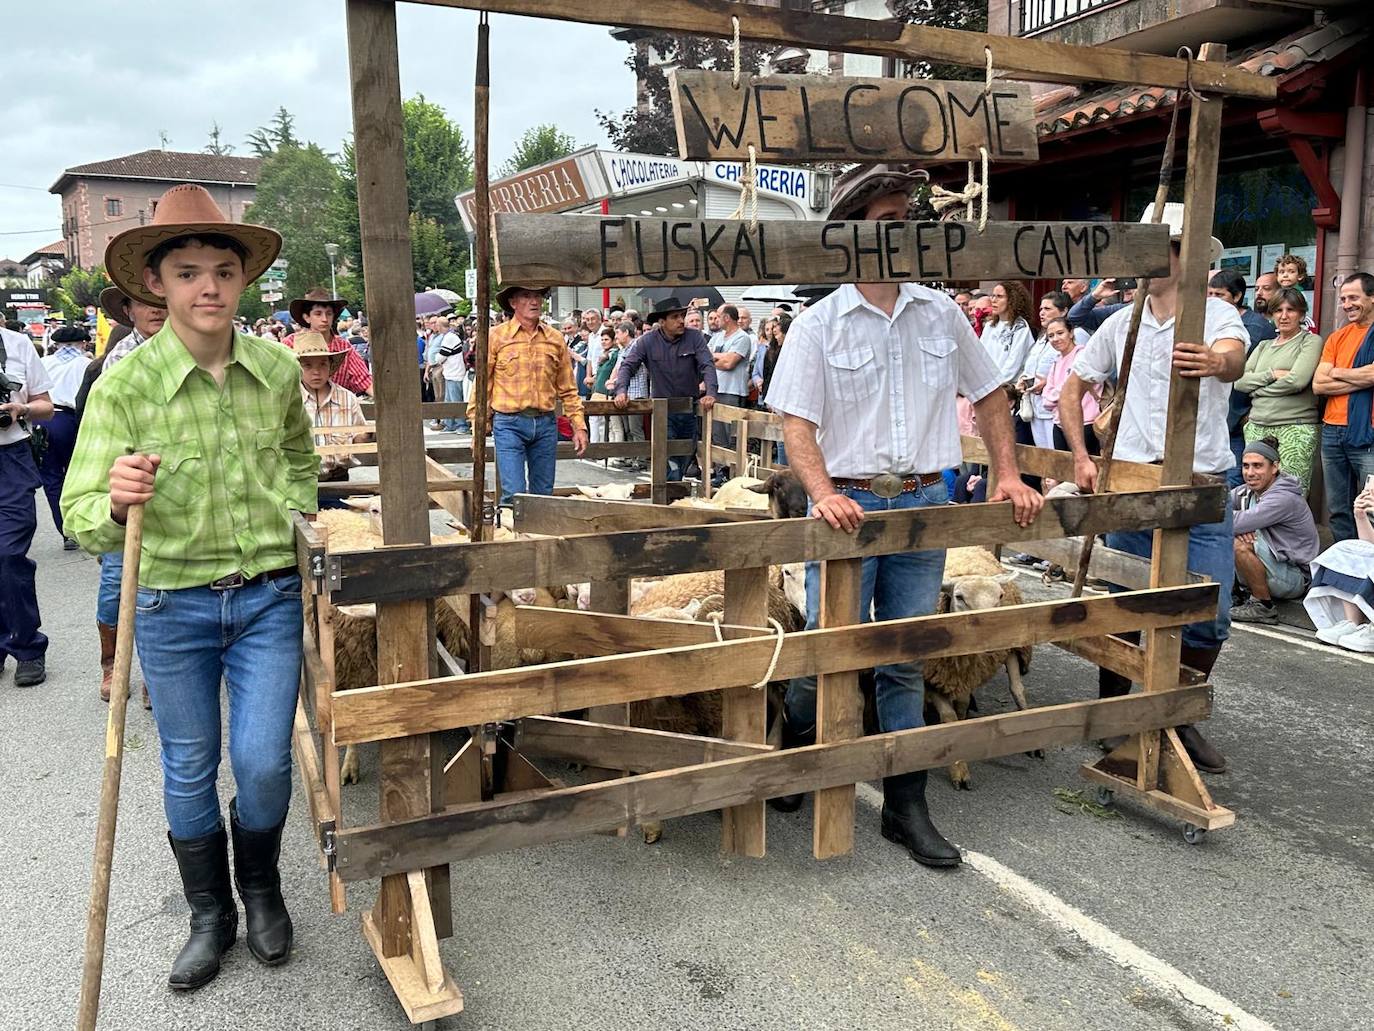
x=744, y=711
x=839, y=709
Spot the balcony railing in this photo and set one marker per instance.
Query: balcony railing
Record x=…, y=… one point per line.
x=1042, y=14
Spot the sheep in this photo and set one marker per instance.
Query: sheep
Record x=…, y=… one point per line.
x=738, y=493
x=974, y=579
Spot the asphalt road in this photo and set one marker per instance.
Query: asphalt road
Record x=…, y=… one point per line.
x=1060, y=918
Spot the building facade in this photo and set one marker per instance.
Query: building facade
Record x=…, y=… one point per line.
x=103, y=198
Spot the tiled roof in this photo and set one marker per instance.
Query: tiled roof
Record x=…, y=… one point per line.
x=1069, y=108
x=172, y=166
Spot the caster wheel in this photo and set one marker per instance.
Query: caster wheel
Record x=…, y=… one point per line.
x=1193, y=835
x=1105, y=797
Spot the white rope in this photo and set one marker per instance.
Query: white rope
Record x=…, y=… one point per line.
x=715, y=619
x=749, y=192
x=734, y=49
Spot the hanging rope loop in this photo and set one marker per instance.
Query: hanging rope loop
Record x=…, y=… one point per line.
x=715, y=620
x=749, y=192
x=734, y=50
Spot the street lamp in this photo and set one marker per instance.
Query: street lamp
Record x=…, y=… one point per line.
x=332, y=249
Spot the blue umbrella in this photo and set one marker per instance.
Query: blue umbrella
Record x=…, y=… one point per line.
x=284, y=317
x=430, y=303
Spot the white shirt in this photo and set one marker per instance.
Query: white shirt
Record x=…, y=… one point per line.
x=1140, y=436
x=22, y=365
x=881, y=390
x=454, y=366
x=66, y=367
x=736, y=380
x=1008, y=343
x=1039, y=360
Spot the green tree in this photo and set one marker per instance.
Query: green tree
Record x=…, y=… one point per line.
x=216, y=145
x=79, y=289
x=538, y=145
x=970, y=15
x=649, y=129
x=295, y=196
x=435, y=263
x=276, y=135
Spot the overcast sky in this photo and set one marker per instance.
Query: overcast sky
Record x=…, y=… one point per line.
x=90, y=81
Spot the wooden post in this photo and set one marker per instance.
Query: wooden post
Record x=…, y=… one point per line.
x=404, y=629
x=744, y=711
x=742, y=446
x=839, y=709
x=478, y=408
x=324, y=723
x=658, y=452
x=708, y=422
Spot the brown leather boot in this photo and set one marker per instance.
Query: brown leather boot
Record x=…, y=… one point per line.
x=107, y=650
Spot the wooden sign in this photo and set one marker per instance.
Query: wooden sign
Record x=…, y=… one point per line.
x=538, y=251
x=825, y=118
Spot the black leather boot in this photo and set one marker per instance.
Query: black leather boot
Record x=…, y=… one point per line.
x=204, y=866
x=792, y=739
x=1111, y=685
x=906, y=821
x=1203, y=753
x=259, y=884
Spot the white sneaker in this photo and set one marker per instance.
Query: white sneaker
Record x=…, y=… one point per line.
x=1333, y=634
x=1361, y=640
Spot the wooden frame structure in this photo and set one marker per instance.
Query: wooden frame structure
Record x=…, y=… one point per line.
x=436, y=809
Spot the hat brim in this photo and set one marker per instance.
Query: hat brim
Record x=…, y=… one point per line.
x=875, y=186
x=655, y=316
x=127, y=254
x=300, y=307
x=504, y=294
x=336, y=359
x=114, y=303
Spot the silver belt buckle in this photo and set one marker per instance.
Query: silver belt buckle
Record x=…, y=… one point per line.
x=886, y=485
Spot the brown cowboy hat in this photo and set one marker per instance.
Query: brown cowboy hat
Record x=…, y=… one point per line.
x=503, y=295
x=310, y=343
x=114, y=302
x=301, y=306
x=856, y=188
x=185, y=210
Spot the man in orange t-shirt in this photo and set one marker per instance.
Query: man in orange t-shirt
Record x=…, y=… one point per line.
x=1345, y=377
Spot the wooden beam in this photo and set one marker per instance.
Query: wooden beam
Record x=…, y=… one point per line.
x=1037, y=461
x=839, y=709
x=619, y=251
x=789, y=118
x=561, y=517
x=603, y=633
x=433, y=570
x=1116, y=567
x=631, y=748
x=469, y=831
x=1033, y=59
x=379, y=713
x=744, y=710
x=460, y=454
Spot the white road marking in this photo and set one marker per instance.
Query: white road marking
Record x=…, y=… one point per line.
x=1098, y=936
x=1303, y=642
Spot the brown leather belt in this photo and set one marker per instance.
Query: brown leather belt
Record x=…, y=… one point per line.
x=889, y=485
x=233, y=580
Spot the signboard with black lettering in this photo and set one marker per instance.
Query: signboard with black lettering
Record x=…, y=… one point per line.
x=586, y=250
x=824, y=118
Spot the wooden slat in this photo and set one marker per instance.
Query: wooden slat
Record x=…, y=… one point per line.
x=470, y=831
x=660, y=447
x=561, y=517
x=432, y=410
x=312, y=777
x=430, y=571
x=1109, y=564
x=839, y=709
x=631, y=748
x=1034, y=59
x=377, y=713
x=744, y=710
x=1036, y=461
x=600, y=633
x=355, y=488
x=791, y=118
x=619, y=251
x=407, y=981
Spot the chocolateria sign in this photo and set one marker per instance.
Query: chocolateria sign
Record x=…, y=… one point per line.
x=586, y=250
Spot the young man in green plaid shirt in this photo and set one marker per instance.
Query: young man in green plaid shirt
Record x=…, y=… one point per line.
x=205, y=427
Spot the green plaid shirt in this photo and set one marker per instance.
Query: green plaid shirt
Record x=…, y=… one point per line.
x=235, y=461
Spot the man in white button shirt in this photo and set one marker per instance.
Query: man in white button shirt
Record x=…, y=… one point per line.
x=1217, y=362
x=866, y=385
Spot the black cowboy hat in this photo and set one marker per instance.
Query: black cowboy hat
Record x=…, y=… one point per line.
x=667, y=306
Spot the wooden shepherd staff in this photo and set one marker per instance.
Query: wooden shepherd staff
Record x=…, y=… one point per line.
x=94, y=964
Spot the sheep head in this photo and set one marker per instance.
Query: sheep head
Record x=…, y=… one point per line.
x=786, y=495
x=976, y=592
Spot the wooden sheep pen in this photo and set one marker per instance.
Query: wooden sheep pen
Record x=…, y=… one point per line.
x=436, y=809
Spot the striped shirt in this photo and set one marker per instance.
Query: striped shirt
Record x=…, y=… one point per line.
x=123, y=349
x=235, y=460
x=881, y=389
x=337, y=408
x=531, y=370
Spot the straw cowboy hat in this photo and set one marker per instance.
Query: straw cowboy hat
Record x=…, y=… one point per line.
x=856, y=188
x=1173, y=218
x=503, y=295
x=185, y=210
x=667, y=306
x=309, y=343
x=301, y=306
x=114, y=302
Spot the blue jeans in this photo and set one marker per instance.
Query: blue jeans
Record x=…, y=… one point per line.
x=188, y=641
x=19, y=617
x=682, y=426
x=453, y=391
x=521, y=441
x=1344, y=469
x=894, y=587
x=107, y=597
x=1211, y=552
x=1233, y=475
x=61, y=441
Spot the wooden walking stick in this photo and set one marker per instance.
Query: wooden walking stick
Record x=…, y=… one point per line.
x=94, y=963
